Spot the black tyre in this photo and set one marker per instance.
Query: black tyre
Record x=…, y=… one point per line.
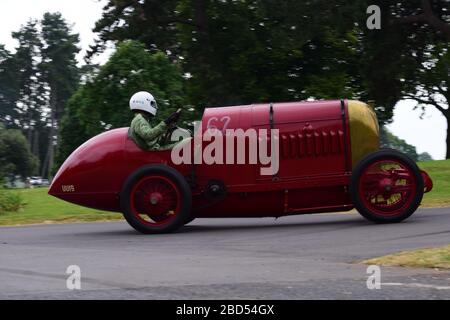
x=156, y=199
x=386, y=186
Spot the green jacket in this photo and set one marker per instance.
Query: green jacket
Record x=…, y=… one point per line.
x=144, y=135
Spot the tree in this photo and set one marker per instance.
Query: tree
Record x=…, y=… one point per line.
x=60, y=72
x=409, y=57
x=24, y=100
x=430, y=85
x=433, y=13
x=428, y=79
x=102, y=102
x=150, y=22
x=9, y=91
x=391, y=141
x=424, y=156
x=30, y=102
x=246, y=51
x=15, y=154
x=36, y=82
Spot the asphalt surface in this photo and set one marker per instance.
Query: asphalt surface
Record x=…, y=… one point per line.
x=301, y=257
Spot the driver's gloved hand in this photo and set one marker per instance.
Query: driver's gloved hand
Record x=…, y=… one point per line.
x=173, y=118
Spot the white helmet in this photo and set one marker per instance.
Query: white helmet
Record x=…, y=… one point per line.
x=144, y=101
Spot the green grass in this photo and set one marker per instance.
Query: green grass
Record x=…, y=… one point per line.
x=39, y=207
x=439, y=172
x=423, y=258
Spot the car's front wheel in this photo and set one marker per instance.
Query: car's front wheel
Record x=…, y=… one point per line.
x=386, y=187
x=156, y=199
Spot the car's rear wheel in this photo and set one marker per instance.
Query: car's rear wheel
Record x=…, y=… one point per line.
x=156, y=199
x=386, y=187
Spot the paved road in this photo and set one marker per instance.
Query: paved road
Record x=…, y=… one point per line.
x=302, y=257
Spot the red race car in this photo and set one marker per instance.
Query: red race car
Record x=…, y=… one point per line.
x=324, y=157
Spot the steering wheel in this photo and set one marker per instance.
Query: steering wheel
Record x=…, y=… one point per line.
x=172, y=127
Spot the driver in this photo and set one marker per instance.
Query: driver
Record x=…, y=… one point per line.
x=143, y=104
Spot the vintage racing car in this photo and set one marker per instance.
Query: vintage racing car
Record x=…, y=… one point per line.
x=329, y=161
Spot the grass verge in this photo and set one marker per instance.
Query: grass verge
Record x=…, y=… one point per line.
x=439, y=172
x=39, y=207
x=423, y=258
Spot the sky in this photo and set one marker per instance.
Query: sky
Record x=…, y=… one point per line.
x=81, y=14
x=427, y=134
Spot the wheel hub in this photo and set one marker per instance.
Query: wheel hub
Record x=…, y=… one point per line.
x=155, y=198
x=386, y=185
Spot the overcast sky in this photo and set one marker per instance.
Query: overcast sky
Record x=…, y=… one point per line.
x=427, y=134
x=81, y=14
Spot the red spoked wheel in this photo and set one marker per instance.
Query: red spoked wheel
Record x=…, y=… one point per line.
x=386, y=186
x=156, y=199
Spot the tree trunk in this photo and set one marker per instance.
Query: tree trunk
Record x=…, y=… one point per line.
x=447, y=155
x=45, y=163
x=35, y=146
x=51, y=144
x=50, y=156
x=446, y=113
x=30, y=134
x=30, y=129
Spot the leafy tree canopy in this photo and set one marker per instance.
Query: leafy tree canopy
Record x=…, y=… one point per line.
x=15, y=155
x=391, y=141
x=37, y=80
x=245, y=51
x=8, y=87
x=102, y=102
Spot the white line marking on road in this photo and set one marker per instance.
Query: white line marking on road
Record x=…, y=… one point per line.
x=416, y=285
